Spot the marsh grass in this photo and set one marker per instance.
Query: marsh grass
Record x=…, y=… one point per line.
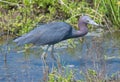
x=19, y=17
x=112, y=11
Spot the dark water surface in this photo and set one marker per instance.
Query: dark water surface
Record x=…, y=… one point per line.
x=97, y=53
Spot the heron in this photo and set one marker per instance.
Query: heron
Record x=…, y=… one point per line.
x=54, y=32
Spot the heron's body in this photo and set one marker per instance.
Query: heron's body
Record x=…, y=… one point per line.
x=50, y=34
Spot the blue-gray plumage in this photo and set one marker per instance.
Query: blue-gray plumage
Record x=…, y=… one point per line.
x=51, y=33
x=46, y=34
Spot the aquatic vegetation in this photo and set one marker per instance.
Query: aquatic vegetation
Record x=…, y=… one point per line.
x=61, y=77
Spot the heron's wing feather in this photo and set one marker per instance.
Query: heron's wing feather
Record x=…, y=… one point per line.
x=52, y=36
x=45, y=34
x=29, y=37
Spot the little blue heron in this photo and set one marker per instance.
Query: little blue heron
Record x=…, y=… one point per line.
x=52, y=33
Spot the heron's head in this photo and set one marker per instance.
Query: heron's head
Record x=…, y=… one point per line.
x=88, y=20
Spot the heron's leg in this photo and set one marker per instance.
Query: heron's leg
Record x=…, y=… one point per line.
x=57, y=60
x=44, y=54
x=45, y=67
x=52, y=53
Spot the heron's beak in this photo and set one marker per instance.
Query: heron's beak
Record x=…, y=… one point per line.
x=93, y=23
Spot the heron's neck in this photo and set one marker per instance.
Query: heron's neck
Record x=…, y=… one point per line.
x=82, y=26
x=83, y=30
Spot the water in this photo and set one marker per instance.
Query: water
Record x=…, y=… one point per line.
x=99, y=53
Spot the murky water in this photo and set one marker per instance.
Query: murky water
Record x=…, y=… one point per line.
x=97, y=53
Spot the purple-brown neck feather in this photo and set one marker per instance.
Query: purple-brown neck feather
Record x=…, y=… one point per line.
x=83, y=30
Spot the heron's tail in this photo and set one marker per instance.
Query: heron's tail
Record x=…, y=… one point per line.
x=20, y=40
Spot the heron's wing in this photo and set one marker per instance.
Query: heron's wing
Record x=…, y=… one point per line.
x=52, y=36
x=29, y=37
x=46, y=34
